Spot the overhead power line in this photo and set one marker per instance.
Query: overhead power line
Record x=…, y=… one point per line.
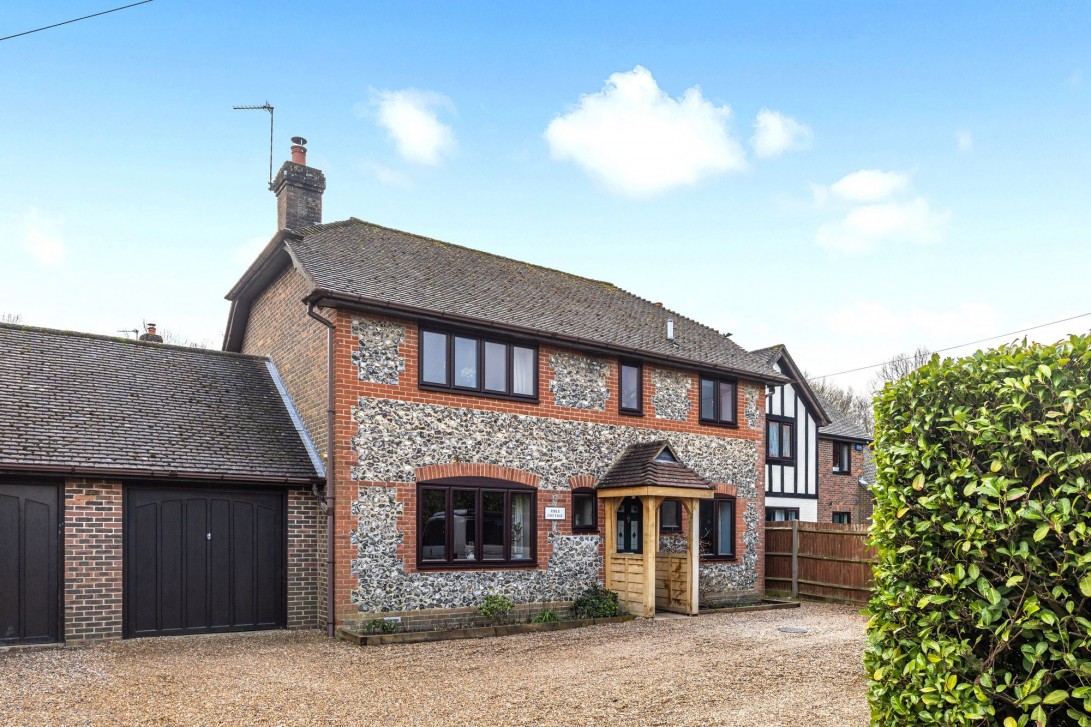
x=75, y=20
x=960, y=345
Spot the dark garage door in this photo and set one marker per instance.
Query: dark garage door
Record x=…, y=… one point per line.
x=200, y=561
x=28, y=564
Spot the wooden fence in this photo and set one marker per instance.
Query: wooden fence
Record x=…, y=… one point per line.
x=822, y=560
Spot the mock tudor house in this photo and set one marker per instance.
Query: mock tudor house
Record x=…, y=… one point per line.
x=397, y=427
x=815, y=455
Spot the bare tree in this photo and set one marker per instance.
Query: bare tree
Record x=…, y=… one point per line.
x=856, y=405
x=900, y=366
x=11, y=317
x=177, y=339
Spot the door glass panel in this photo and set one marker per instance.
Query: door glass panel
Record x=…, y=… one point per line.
x=522, y=374
x=492, y=526
x=496, y=366
x=466, y=362
x=434, y=358
x=433, y=514
x=726, y=525
x=464, y=524
x=521, y=523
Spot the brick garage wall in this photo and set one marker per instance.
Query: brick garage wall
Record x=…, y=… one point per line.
x=304, y=561
x=280, y=328
x=92, y=560
x=840, y=492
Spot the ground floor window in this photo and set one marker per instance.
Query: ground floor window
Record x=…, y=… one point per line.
x=670, y=515
x=472, y=522
x=717, y=527
x=842, y=518
x=781, y=514
x=584, y=510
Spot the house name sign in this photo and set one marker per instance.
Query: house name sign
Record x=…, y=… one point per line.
x=554, y=513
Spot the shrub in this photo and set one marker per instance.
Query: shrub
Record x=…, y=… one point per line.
x=545, y=617
x=597, y=602
x=981, y=612
x=496, y=608
x=379, y=626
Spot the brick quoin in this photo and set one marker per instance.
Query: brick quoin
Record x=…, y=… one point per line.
x=92, y=560
x=839, y=492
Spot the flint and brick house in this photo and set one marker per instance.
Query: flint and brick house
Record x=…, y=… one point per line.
x=444, y=423
x=815, y=455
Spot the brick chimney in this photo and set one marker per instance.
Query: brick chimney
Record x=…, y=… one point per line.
x=299, y=190
x=150, y=335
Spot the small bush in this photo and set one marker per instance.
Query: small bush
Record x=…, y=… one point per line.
x=545, y=617
x=981, y=612
x=597, y=602
x=379, y=626
x=496, y=608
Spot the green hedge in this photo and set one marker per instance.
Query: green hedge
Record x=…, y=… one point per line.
x=981, y=612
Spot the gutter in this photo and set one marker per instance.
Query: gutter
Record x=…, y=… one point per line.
x=328, y=497
x=134, y=473
x=386, y=307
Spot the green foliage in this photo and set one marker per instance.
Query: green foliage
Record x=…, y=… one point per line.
x=981, y=612
x=545, y=617
x=597, y=602
x=496, y=608
x=379, y=626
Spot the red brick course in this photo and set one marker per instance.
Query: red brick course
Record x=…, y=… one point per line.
x=304, y=563
x=92, y=560
x=839, y=492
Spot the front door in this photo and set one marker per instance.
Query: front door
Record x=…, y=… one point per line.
x=630, y=516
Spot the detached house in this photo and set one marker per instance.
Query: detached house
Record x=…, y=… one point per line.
x=413, y=425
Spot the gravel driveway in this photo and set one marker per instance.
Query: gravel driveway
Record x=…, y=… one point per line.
x=723, y=669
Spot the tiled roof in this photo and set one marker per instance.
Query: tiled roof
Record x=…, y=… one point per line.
x=388, y=267
x=840, y=424
x=637, y=467
x=769, y=353
x=88, y=402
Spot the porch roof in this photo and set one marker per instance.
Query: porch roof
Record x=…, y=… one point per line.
x=652, y=468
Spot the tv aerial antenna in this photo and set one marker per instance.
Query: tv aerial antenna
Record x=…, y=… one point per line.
x=264, y=107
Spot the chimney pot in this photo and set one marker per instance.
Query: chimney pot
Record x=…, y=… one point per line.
x=299, y=150
x=299, y=190
x=150, y=335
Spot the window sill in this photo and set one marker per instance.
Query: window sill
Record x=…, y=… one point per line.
x=726, y=425
x=480, y=394
x=779, y=460
x=845, y=474
x=585, y=531
x=475, y=565
x=718, y=558
x=630, y=412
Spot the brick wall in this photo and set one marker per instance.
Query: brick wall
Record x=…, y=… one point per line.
x=839, y=492
x=304, y=561
x=280, y=328
x=92, y=560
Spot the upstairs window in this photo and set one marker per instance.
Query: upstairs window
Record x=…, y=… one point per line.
x=780, y=445
x=473, y=365
x=717, y=400
x=842, y=458
x=631, y=388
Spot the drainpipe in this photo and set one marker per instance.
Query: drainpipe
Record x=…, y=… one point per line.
x=327, y=502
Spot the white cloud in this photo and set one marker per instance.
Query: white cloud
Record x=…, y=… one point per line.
x=410, y=119
x=866, y=226
x=42, y=238
x=775, y=133
x=965, y=140
x=389, y=177
x=869, y=185
x=639, y=141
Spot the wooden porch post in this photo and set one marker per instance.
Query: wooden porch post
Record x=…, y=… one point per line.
x=610, y=546
x=693, y=505
x=650, y=547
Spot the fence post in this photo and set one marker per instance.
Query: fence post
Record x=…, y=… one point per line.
x=795, y=559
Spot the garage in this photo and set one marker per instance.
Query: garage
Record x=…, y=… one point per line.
x=203, y=560
x=29, y=535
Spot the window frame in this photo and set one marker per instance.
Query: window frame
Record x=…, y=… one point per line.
x=713, y=502
x=593, y=494
x=450, y=387
x=480, y=485
x=718, y=381
x=847, y=520
x=837, y=448
x=785, y=510
x=662, y=521
x=639, y=366
x=781, y=422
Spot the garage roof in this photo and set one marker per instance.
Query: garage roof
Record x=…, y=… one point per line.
x=76, y=402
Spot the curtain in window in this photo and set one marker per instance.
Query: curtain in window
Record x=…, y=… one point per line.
x=521, y=523
x=522, y=374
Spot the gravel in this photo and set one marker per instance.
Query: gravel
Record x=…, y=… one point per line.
x=722, y=669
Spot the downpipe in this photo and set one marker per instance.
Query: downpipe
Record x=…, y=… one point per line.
x=327, y=499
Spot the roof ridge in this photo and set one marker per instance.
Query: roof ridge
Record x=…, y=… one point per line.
x=121, y=340
x=524, y=263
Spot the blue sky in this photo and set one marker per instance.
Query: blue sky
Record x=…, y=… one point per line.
x=921, y=175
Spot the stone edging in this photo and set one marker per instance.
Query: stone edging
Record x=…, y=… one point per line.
x=481, y=632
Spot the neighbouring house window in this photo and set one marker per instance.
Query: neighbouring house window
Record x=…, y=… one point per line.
x=717, y=527
x=717, y=400
x=469, y=522
x=630, y=400
x=474, y=365
x=842, y=457
x=780, y=444
x=670, y=515
x=630, y=518
x=781, y=514
x=842, y=518
x=584, y=510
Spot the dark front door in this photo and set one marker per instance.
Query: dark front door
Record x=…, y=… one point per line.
x=28, y=564
x=630, y=516
x=200, y=561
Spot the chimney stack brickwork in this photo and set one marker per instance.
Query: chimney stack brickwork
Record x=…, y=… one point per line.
x=299, y=191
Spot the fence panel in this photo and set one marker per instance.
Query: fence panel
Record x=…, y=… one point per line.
x=823, y=560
